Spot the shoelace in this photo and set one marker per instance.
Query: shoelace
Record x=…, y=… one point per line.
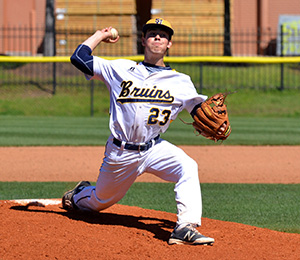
x=193, y=228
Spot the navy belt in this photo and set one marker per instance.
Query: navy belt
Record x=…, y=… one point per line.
x=142, y=147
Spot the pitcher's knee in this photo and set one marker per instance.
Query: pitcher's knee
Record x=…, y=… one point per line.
x=189, y=170
x=93, y=202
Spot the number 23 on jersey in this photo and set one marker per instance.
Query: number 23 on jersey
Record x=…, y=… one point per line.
x=155, y=113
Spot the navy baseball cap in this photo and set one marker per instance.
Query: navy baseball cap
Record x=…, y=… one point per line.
x=158, y=23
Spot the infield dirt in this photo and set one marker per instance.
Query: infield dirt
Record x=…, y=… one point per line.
x=123, y=232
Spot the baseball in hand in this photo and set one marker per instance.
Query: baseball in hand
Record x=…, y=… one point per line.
x=114, y=33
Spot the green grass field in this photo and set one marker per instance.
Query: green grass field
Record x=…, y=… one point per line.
x=49, y=131
x=257, y=118
x=76, y=102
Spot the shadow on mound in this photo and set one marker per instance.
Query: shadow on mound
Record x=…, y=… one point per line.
x=153, y=225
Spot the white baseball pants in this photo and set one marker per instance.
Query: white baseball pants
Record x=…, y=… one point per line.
x=121, y=167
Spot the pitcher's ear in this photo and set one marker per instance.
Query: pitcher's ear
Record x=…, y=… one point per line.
x=143, y=41
x=169, y=45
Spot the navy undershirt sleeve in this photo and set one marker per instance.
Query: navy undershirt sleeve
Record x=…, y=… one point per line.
x=83, y=60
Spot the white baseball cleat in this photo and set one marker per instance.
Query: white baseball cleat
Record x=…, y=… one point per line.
x=189, y=235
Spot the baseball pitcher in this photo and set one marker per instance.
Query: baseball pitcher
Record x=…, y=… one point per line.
x=145, y=98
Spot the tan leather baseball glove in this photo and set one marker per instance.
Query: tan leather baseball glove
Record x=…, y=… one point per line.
x=211, y=118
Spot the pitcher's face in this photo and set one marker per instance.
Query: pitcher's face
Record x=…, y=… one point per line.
x=156, y=41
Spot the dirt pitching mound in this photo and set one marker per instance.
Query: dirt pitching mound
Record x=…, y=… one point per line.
x=123, y=232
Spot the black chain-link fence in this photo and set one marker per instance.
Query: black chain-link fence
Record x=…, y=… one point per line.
x=40, y=87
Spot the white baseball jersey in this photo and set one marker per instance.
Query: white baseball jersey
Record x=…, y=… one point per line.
x=142, y=105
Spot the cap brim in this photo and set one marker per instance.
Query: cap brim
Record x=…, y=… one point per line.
x=146, y=27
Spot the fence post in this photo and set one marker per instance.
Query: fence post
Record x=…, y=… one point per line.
x=281, y=64
x=227, y=36
x=201, y=78
x=54, y=78
x=50, y=38
x=49, y=44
